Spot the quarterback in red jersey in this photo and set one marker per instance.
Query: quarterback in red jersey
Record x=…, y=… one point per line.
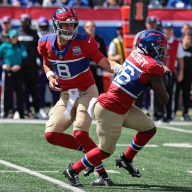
x=115, y=109
x=66, y=57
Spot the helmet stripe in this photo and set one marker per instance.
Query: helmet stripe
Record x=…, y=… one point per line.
x=71, y=9
x=65, y=8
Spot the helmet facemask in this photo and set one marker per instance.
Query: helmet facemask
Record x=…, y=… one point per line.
x=65, y=33
x=65, y=15
x=161, y=53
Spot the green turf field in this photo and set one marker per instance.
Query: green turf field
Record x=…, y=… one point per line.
x=29, y=164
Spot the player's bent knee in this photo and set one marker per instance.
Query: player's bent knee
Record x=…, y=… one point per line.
x=151, y=131
x=107, y=154
x=50, y=125
x=106, y=142
x=55, y=126
x=82, y=124
x=108, y=147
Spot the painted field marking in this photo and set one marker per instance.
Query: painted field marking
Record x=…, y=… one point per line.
x=174, y=129
x=2, y=171
x=178, y=145
x=23, y=121
x=43, y=121
x=182, y=123
x=47, y=178
x=112, y=171
x=126, y=145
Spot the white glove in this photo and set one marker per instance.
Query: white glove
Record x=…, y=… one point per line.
x=117, y=68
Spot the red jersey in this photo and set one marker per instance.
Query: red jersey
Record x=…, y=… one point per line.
x=71, y=65
x=130, y=82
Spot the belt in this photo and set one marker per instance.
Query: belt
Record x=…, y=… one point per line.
x=80, y=92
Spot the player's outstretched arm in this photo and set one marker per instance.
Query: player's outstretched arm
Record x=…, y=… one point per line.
x=109, y=65
x=159, y=89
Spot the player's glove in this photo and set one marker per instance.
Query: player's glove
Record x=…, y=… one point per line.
x=167, y=78
x=117, y=68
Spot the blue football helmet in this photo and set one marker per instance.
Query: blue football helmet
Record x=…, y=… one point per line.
x=153, y=44
x=43, y=21
x=65, y=14
x=43, y=26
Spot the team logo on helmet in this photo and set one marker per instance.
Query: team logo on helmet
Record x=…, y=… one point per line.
x=153, y=43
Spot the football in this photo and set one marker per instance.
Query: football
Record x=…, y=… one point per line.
x=167, y=78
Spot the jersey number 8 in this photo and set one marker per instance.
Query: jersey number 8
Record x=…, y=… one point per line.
x=63, y=71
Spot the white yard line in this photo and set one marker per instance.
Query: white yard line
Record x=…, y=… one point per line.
x=112, y=171
x=47, y=178
x=174, y=129
x=23, y=121
x=43, y=121
x=2, y=171
x=178, y=145
x=126, y=145
x=180, y=123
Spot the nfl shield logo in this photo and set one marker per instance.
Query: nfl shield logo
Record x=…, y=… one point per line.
x=60, y=56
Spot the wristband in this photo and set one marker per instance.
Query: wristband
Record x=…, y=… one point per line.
x=49, y=73
x=117, y=67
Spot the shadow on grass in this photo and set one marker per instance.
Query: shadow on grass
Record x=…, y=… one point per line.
x=143, y=187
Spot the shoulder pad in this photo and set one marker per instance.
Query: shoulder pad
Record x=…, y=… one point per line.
x=81, y=36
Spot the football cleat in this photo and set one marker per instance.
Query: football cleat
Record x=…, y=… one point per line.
x=72, y=177
x=102, y=180
x=123, y=162
x=89, y=170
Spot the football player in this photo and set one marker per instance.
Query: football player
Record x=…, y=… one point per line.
x=115, y=109
x=43, y=27
x=66, y=57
